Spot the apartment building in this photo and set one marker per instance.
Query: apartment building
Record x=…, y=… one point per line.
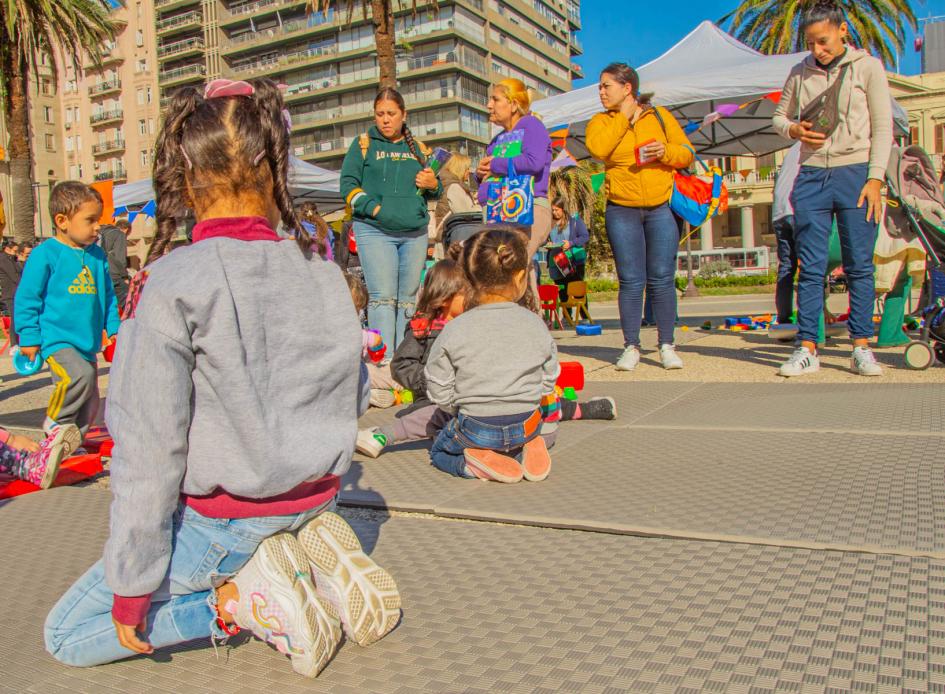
x=46, y=129
x=447, y=55
x=110, y=113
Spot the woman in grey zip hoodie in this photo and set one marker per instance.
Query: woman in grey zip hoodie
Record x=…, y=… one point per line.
x=836, y=103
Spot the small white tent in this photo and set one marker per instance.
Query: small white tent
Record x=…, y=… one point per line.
x=306, y=182
x=704, y=70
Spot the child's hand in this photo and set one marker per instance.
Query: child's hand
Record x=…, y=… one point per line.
x=29, y=352
x=128, y=637
x=22, y=443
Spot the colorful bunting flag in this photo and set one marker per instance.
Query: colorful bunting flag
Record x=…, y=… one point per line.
x=563, y=159
x=597, y=181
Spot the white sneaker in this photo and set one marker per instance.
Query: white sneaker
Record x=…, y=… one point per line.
x=802, y=361
x=629, y=359
x=864, y=362
x=669, y=357
x=382, y=398
x=278, y=604
x=363, y=593
x=371, y=442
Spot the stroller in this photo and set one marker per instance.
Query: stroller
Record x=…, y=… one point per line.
x=915, y=209
x=460, y=226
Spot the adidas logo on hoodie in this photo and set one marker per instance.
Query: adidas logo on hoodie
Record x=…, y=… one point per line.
x=84, y=283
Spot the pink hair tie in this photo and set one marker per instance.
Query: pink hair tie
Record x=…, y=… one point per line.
x=222, y=87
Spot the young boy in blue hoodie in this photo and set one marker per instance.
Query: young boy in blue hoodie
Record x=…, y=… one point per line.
x=64, y=302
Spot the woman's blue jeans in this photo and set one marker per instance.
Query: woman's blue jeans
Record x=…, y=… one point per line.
x=644, y=241
x=205, y=552
x=392, y=265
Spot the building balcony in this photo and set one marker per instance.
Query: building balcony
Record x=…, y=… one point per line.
x=166, y=5
x=180, y=49
x=275, y=36
x=180, y=75
x=577, y=71
x=577, y=48
x=106, y=117
x=190, y=20
x=118, y=174
x=106, y=87
x=322, y=149
x=466, y=59
x=241, y=11
x=574, y=16
x=110, y=56
x=281, y=62
x=101, y=148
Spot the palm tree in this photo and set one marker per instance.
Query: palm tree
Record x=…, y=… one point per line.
x=772, y=26
x=31, y=30
x=382, y=14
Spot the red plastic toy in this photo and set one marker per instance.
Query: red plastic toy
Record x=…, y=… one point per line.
x=571, y=376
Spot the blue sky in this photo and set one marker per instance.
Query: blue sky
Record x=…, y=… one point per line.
x=640, y=31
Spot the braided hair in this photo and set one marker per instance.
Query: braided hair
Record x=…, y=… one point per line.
x=391, y=94
x=229, y=145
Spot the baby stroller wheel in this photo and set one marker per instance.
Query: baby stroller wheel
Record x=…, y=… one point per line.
x=918, y=355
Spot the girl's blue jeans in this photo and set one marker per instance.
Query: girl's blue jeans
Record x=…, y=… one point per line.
x=392, y=265
x=205, y=552
x=644, y=241
x=462, y=432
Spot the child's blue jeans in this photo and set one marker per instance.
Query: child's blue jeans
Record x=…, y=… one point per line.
x=204, y=554
x=463, y=431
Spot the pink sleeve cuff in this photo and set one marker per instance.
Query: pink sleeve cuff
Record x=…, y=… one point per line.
x=130, y=610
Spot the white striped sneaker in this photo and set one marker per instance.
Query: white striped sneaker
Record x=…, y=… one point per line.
x=803, y=361
x=363, y=593
x=279, y=606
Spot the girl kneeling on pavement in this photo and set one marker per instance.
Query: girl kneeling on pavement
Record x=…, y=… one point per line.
x=491, y=366
x=226, y=373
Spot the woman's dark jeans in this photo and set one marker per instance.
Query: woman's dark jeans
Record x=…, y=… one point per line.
x=644, y=241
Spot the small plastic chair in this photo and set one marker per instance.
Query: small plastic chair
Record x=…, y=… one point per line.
x=548, y=302
x=577, y=299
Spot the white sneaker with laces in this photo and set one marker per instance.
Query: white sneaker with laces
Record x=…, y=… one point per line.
x=629, y=359
x=364, y=595
x=863, y=362
x=669, y=357
x=370, y=442
x=278, y=604
x=801, y=362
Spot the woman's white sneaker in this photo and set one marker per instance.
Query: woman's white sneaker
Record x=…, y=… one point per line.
x=364, y=595
x=629, y=359
x=863, y=362
x=278, y=605
x=669, y=358
x=801, y=362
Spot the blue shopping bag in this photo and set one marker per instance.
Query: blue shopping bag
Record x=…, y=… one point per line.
x=511, y=200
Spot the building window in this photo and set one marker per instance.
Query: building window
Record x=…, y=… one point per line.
x=50, y=143
x=141, y=130
x=139, y=38
x=74, y=172
x=150, y=126
x=149, y=95
x=46, y=87
x=70, y=144
x=144, y=157
x=913, y=134
x=142, y=65
x=138, y=10
x=140, y=96
x=939, y=138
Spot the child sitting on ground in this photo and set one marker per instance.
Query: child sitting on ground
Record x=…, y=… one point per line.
x=441, y=300
x=37, y=463
x=64, y=301
x=233, y=406
x=491, y=366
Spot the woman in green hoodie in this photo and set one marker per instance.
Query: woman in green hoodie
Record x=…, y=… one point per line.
x=387, y=184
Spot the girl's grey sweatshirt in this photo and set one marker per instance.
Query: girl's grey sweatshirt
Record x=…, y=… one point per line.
x=239, y=372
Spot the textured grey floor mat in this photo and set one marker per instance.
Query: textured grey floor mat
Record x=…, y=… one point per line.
x=808, y=407
x=508, y=609
x=403, y=479
x=874, y=493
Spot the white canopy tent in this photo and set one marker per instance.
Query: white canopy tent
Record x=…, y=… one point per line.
x=306, y=182
x=704, y=70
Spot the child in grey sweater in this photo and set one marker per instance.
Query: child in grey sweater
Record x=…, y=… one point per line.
x=491, y=366
x=233, y=404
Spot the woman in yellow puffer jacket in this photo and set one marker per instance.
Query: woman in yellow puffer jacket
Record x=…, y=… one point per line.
x=641, y=147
